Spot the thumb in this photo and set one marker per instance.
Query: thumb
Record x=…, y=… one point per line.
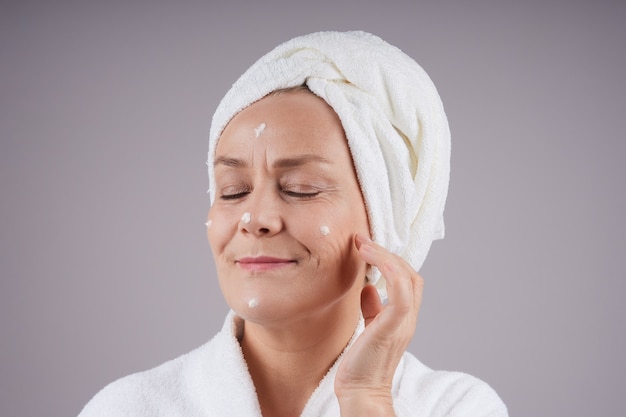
x=370, y=303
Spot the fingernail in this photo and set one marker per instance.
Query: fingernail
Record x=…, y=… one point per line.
x=361, y=238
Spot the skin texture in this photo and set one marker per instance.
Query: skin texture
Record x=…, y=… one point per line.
x=292, y=178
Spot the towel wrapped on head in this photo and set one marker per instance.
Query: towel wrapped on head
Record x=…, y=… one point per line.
x=394, y=123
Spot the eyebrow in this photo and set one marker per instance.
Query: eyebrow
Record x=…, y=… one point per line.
x=279, y=163
x=229, y=162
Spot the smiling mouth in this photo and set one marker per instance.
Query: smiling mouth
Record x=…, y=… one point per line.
x=263, y=263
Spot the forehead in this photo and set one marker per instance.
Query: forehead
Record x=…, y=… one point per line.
x=297, y=122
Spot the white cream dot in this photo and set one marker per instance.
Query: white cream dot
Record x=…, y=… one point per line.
x=246, y=218
x=208, y=223
x=253, y=303
x=259, y=130
x=324, y=230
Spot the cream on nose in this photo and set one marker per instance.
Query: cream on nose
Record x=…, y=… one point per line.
x=246, y=218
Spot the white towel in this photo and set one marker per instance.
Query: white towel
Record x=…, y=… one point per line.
x=394, y=122
x=213, y=380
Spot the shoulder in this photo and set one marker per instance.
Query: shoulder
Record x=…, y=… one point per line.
x=124, y=397
x=135, y=394
x=419, y=390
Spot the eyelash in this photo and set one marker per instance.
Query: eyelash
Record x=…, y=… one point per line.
x=294, y=194
x=301, y=195
x=234, y=196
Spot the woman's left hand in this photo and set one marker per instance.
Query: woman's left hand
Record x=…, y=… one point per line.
x=365, y=375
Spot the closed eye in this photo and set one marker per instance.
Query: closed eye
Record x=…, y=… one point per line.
x=234, y=196
x=301, y=195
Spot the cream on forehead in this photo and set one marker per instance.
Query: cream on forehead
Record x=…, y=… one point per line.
x=259, y=130
x=246, y=218
x=253, y=303
x=324, y=230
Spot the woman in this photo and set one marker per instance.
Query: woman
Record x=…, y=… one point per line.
x=328, y=162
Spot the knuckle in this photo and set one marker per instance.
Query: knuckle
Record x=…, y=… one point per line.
x=418, y=280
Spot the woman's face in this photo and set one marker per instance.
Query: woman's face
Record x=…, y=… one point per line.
x=286, y=209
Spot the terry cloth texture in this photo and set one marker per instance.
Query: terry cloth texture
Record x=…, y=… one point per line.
x=213, y=381
x=394, y=122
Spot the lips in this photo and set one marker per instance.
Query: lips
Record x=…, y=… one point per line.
x=263, y=263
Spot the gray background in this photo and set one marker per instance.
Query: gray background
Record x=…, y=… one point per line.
x=105, y=111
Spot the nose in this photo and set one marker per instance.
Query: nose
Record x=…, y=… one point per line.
x=262, y=217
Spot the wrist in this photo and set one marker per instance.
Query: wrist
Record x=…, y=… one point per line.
x=366, y=403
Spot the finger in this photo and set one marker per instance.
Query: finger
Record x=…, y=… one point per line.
x=397, y=273
x=371, y=252
x=418, y=290
x=391, y=266
x=371, y=305
x=400, y=291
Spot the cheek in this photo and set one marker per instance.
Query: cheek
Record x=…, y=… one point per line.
x=332, y=244
x=220, y=228
x=327, y=235
x=340, y=222
x=336, y=231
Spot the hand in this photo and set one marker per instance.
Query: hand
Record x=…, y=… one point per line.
x=365, y=375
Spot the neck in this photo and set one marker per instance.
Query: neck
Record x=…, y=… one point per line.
x=287, y=363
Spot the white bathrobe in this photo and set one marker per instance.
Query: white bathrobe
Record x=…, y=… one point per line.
x=213, y=380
